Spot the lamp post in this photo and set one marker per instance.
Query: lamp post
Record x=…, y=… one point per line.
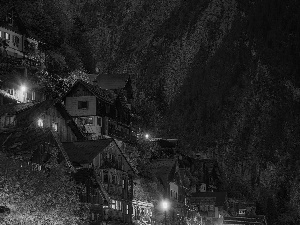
x=165, y=206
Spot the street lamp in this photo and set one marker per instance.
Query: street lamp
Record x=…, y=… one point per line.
x=23, y=88
x=165, y=206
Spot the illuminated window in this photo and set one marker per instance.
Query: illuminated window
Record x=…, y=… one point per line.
x=55, y=126
x=113, y=204
x=83, y=104
x=40, y=123
x=7, y=36
x=10, y=91
x=127, y=209
x=0, y=34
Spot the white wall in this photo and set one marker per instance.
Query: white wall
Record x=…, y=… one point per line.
x=72, y=106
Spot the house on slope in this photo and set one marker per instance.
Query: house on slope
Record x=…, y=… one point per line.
x=99, y=112
x=211, y=205
x=20, y=55
x=168, y=174
x=113, y=172
x=33, y=132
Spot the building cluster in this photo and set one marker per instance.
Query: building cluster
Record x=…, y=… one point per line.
x=92, y=130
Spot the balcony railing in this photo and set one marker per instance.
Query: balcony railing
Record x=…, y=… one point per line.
x=122, y=131
x=21, y=62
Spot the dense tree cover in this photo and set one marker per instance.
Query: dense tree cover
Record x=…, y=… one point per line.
x=39, y=197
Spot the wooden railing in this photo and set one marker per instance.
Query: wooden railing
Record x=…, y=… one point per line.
x=122, y=131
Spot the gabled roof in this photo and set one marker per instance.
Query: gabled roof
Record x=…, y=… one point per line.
x=21, y=143
x=109, y=96
x=164, y=170
x=27, y=113
x=106, y=95
x=84, y=152
x=15, y=108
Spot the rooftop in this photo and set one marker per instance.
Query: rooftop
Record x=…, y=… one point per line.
x=84, y=152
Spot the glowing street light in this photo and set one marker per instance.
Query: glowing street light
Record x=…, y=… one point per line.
x=23, y=88
x=165, y=205
x=147, y=136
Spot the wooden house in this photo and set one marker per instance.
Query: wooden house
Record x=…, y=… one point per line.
x=32, y=132
x=100, y=112
x=168, y=173
x=20, y=54
x=113, y=172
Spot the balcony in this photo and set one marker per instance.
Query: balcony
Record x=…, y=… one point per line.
x=121, y=131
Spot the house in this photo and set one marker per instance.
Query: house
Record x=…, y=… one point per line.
x=48, y=114
x=211, y=205
x=33, y=131
x=168, y=174
x=19, y=54
x=100, y=112
x=113, y=172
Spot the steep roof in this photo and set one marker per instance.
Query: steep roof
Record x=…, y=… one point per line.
x=26, y=113
x=15, y=108
x=106, y=95
x=220, y=196
x=112, y=81
x=21, y=143
x=109, y=96
x=164, y=169
x=85, y=151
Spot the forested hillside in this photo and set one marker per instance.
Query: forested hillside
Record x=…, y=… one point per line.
x=220, y=75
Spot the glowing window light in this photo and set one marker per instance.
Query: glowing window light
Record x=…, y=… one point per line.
x=40, y=123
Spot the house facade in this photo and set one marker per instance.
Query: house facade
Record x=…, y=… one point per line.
x=21, y=54
x=100, y=112
x=113, y=172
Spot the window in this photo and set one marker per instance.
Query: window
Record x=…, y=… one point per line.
x=99, y=121
x=0, y=34
x=55, y=126
x=127, y=209
x=113, y=204
x=33, y=96
x=10, y=91
x=105, y=177
x=171, y=193
x=83, y=104
x=40, y=123
x=7, y=36
x=16, y=41
x=9, y=120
